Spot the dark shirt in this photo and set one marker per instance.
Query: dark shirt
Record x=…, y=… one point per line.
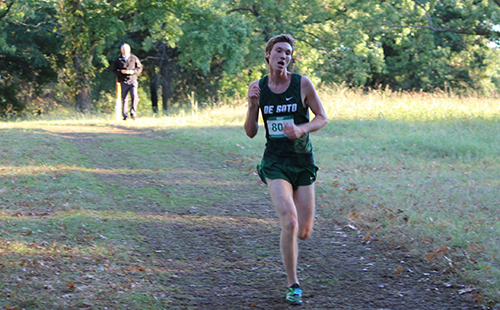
x=132, y=63
x=278, y=109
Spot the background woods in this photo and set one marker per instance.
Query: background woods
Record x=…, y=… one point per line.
x=167, y=212
x=58, y=53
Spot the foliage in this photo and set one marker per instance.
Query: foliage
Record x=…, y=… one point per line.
x=88, y=28
x=214, y=48
x=434, y=44
x=29, y=56
x=215, y=45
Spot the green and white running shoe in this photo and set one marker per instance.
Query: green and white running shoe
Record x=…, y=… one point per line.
x=294, y=295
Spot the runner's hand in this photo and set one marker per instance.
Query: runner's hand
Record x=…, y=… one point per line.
x=253, y=95
x=293, y=131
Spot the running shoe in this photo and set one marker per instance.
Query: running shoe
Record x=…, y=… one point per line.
x=294, y=294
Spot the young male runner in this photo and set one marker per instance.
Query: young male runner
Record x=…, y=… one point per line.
x=287, y=167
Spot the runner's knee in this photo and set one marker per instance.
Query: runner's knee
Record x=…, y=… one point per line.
x=290, y=223
x=304, y=233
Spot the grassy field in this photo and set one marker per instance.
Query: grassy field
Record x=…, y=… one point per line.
x=419, y=171
x=413, y=171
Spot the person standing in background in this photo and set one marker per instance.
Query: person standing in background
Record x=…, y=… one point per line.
x=126, y=68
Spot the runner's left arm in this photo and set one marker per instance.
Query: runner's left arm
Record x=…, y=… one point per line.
x=311, y=98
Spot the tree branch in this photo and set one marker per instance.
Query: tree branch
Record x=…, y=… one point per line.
x=251, y=10
x=36, y=27
x=477, y=31
x=7, y=10
x=426, y=12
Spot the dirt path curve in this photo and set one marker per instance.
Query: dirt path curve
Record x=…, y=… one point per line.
x=219, y=248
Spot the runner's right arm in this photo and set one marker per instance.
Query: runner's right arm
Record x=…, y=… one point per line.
x=252, y=120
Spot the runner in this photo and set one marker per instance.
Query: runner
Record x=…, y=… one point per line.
x=287, y=167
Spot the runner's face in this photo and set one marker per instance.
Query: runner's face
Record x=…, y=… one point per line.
x=280, y=56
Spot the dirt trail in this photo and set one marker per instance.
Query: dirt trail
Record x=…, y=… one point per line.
x=228, y=255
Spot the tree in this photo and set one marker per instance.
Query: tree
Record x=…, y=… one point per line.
x=429, y=44
x=159, y=24
x=221, y=49
x=29, y=53
x=198, y=48
x=89, y=27
x=214, y=48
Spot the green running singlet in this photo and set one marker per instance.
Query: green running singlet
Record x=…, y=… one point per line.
x=292, y=160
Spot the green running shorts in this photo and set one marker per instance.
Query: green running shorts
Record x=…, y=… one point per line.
x=296, y=174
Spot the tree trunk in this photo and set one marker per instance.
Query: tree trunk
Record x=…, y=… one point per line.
x=82, y=57
x=83, y=98
x=165, y=88
x=83, y=93
x=165, y=77
x=153, y=88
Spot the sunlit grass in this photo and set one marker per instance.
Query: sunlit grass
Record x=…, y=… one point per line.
x=413, y=107
x=410, y=170
x=418, y=171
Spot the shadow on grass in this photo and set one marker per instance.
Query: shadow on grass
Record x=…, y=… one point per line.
x=164, y=218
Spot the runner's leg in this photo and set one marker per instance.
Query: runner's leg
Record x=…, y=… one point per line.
x=282, y=196
x=304, y=201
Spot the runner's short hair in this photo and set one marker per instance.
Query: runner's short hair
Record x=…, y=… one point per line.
x=277, y=39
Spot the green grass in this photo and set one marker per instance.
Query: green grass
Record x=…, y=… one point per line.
x=416, y=171
x=419, y=171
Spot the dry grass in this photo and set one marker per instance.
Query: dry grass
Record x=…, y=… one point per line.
x=417, y=171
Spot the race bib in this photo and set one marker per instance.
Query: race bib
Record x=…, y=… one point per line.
x=276, y=124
